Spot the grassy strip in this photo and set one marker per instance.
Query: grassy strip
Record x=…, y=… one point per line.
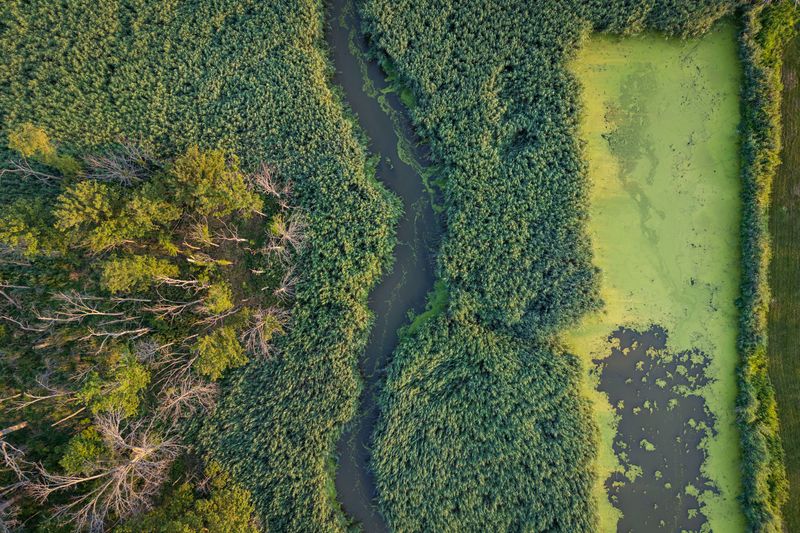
x=784, y=311
x=764, y=478
x=253, y=77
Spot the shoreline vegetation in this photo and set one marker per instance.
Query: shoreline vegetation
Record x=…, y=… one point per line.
x=766, y=30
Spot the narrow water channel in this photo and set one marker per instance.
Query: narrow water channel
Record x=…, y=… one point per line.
x=402, y=290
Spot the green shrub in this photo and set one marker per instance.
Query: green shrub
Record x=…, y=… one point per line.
x=226, y=508
x=121, y=391
x=211, y=185
x=33, y=142
x=217, y=352
x=219, y=298
x=122, y=274
x=83, y=453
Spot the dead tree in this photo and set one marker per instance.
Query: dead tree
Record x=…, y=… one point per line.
x=13, y=461
x=127, y=165
x=77, y=307
x=199, y=232
x=172, y=367
x=61, y=397
x=11, y=298
x=285, y=290
x=23, y=325
x=188, y=284
x=295, y=231
x=106, y=335
x=123, y=483
x=185, y=397
x=264, y=324
x=146, y=350
x=169, y=309
x=228, y=233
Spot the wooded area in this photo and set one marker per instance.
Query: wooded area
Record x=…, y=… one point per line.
x=130, y=285
x=248, y=78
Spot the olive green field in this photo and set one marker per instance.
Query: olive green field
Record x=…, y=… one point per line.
x=784, y=312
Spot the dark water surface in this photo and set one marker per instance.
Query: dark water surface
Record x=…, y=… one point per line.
x=401, y=291
x=663, y=421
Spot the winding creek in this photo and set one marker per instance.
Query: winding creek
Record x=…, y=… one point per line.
x=403, y=290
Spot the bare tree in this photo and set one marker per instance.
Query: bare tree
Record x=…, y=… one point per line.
x=11, y=298
x=12, y=460
x=192, y=284
x=23, y=325
x=105, y=335
x=60, y=397
x=263, y=325
x=146, y=350
x=127, y=165
x=76, y=307
x=228, y=233
x=277, y=249
x=185, y=397
x=285, y=290
x=174, y=366
x=294, y=233
x=122, y=483
x=169, y=309
x=265, y=181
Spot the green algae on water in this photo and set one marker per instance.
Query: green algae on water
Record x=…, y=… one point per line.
x=660, y=123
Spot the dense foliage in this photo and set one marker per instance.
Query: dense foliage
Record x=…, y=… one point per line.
x=767, y=29
x=486, y=412
x=251, y=77
x=496, y=104
x=220, y=507
x=495, y=101
x=131, y=287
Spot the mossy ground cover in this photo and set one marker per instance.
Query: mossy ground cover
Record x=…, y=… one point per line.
x=784, y=312
x=660, y=121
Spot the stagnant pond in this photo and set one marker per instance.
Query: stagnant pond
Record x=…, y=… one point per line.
x=403, y=290
x=660, y=119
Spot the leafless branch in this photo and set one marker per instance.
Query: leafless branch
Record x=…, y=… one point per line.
x=76, y=307
x=24, y=169
x=285, y=290
x=228, y=232
x=123, y=483
x=23, y=325
x=192, y=284
x=169, y=309
x=185, y=396
x=127, y=165
x=263, y=325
